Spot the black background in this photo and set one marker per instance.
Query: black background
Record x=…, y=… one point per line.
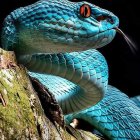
x=124, y=66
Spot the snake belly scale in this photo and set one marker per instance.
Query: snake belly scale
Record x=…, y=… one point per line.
x=57, y=43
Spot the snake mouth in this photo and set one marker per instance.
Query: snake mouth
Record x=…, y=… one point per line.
x=101, y=39
x=105, y=37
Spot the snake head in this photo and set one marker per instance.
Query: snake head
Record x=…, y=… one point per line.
x=58, y=26
x=97, y=24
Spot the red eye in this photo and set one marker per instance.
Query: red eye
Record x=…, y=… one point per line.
x=85, y=11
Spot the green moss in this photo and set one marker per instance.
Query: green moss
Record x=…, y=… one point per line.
x=16, y=114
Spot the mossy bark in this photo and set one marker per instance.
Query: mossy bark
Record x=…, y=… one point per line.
x=22, y=116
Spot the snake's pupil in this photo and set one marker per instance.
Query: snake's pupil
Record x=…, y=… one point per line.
x=85, y=11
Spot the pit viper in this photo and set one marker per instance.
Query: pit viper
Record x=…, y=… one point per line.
x=57, y=40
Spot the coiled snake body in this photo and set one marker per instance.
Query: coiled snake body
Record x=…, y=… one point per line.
x=57, y=40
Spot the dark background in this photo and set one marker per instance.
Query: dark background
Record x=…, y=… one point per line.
x=124, y=66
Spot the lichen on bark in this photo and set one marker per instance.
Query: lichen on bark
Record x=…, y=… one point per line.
x=22, y=115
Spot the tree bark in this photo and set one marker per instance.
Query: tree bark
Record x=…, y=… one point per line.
x=22, y=116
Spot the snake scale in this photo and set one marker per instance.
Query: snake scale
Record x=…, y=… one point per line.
x=57, y=41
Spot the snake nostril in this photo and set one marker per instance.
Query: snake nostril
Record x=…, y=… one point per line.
x=110, y=19
x=103, y=17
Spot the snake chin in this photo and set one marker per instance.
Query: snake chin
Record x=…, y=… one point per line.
x=103, y=38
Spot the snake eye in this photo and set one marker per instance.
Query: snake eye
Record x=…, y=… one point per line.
x=85, y=11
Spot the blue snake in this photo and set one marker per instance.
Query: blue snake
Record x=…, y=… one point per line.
x=57, y=41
